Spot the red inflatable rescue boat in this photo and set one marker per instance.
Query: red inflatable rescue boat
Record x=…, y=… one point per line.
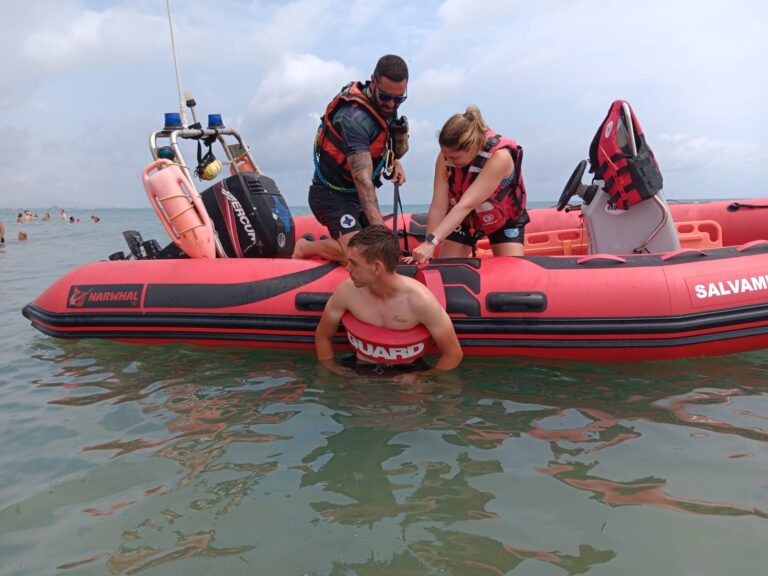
x=651, y=282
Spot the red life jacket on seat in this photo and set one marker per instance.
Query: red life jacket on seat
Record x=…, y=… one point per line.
x=508, y=200
x=329, y=145
x=629, y=179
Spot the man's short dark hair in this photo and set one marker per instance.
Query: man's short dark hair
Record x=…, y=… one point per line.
x=377, y=242
x=393, y=67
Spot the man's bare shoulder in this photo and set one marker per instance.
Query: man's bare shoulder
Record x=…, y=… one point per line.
x=345, y=289
x=418, y=293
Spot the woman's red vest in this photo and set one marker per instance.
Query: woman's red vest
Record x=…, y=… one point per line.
x=508, y=200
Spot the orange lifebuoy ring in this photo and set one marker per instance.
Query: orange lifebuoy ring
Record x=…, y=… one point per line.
x=180, y=209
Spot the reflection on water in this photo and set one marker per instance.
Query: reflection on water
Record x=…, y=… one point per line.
x=229, y=460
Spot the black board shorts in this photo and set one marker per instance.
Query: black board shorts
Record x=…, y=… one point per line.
x=351, y=361
x=340, y=212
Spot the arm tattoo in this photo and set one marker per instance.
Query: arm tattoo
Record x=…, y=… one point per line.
x=361, y=162
x=361, y=166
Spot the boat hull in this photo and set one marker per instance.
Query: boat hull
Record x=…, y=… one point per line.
x=636, y=307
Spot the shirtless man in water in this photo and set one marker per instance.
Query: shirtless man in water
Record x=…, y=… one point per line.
x=376, y=294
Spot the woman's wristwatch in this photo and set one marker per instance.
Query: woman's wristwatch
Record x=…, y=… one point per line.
x=432, y=240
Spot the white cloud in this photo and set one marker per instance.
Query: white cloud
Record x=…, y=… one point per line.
x=96, y=37
x=439, y=84
x=49, y=45
x=685, y=152
x=14, y=148
x=300, y=81
x=89, y=80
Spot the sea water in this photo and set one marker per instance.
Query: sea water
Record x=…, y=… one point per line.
x=179, y=459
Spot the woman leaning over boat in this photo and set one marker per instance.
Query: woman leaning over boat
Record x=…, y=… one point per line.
x=478, y=190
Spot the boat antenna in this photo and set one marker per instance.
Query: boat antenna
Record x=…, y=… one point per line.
x=182, y=111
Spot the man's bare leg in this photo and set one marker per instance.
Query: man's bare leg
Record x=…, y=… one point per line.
x=328, y=249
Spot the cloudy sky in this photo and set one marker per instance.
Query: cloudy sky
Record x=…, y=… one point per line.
x=86, y=81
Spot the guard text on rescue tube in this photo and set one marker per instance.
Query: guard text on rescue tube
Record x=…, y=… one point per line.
x=386, y=353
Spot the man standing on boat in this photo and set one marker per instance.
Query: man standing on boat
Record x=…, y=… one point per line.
x=353, y=147
x=377, y=303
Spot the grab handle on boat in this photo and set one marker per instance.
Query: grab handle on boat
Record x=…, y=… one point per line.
x=311, y=301
x=516, y=302
x=433, y=280
x=736, y=205
x=594, y=257
x=681, y=253
x=753, y=244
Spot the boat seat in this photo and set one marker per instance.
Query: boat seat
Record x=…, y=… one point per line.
x=646, y=227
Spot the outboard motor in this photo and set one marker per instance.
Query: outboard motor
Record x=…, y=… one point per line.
x=250, y=217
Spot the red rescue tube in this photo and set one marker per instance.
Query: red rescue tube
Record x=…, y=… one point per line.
x=180, y=209
x=384, y=345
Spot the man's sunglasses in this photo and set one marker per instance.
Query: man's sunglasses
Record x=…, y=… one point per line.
x=385, y=97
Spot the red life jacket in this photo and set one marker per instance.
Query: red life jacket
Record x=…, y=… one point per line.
x=629, y=178
x=329, y=146
x=508, y=200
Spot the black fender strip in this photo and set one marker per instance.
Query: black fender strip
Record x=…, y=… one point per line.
x=509, y=327
x=510, y=343
x=226, y=295
x=614, y=342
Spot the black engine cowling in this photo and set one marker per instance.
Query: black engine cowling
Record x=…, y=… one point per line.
x=251, y=217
